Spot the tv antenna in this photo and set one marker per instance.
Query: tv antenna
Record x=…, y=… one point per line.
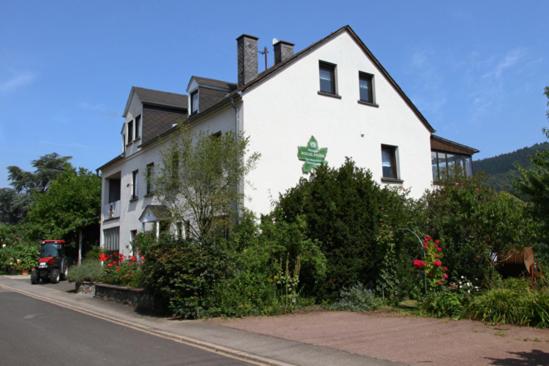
x=265, y=53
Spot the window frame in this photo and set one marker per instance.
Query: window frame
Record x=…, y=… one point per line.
x=137, y=124
x=149, y=173
x=193, y=93
x=444, y=170
x=135, y=174
x=333, y=71
x=394, y=164
x=129, y=132
x=372, y=90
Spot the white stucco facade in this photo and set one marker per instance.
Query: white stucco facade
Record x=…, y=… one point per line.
x=283, y=112
x=279, y=114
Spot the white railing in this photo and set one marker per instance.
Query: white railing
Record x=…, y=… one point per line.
x=111, y=210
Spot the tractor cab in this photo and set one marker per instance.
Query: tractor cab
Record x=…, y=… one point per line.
x=53, y=263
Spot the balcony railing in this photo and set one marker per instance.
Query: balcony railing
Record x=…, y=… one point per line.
x=111, y=210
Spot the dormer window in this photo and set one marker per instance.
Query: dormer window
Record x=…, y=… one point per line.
x=194, y=102
x=137, y=127
x=130, y=132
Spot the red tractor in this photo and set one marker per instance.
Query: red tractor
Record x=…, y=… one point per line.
x=53, y=264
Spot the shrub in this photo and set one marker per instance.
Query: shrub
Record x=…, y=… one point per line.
x=516, y=305
x=124, y=273
x=182, y=274
x=343, y=209
x=18, y=257
x=357, y=298
x=90, y=270
x=443, y=303
x=474, y=222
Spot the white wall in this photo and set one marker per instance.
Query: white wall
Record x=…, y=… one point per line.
x=223, y=120
x=283, y=112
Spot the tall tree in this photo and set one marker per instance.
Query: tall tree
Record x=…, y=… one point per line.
x=69, y=206
x=46, y=169
x=534, y=182
x=200, y=177
x=15, y=201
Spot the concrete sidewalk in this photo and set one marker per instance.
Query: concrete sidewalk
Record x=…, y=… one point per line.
x=252, y=347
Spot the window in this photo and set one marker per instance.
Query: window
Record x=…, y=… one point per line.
x=389, y=162
x=130, y=132
x=366, y=87
x=194, y=102
x=448, y=165
x=134, y=184
x=111, y=239
x=327, y=78
x=137, y=126
x=149, y=177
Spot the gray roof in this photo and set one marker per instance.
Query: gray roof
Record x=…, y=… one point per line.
x=161, y=97
x=214, y=83
x=157, y=97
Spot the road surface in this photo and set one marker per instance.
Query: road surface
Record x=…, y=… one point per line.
x=33, y=332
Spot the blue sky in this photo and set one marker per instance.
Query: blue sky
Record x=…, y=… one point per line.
x=476, y=69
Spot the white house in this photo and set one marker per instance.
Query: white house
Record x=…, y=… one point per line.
x=335, y=90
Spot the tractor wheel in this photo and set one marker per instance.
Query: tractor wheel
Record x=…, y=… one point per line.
x=65, y=273
x=35, y=278
x=54, y=275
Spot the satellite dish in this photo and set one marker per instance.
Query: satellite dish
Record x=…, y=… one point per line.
x=275, y=41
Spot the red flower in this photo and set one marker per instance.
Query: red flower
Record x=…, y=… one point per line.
x=445, y=276
x=110, y=264
x=427, y=238
x=418, y=263
x=121, y=257
x=445, y=268
x=439, y=249
x=103, y=257
x=437, y=263
x=133, y=258
x=437, y=242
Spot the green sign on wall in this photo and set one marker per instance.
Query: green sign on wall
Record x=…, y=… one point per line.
x=311, y=155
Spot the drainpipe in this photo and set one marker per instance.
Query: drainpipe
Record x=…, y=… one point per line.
x=236, y=107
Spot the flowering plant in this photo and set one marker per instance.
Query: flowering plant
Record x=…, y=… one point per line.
x=121, y=270
x=431, y=265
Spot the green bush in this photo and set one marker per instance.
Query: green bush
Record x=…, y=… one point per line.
x=511, y=306
x=343, y=210
x=443, y=304
x=127, y=273
x=357, y=298
x=473, y=221
x=182, y=274
x=90, y=270
x=18, y=257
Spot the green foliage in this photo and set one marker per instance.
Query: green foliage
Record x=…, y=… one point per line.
x=71, y=203
x=343, y=209
x=519, y=307
x=18, y=257
x=90, y=270
x=357, y=298
x=388, y=283
x=444, y=303
x=473, y=221
x=127, y=273
x=199, y=179
x=182, y=274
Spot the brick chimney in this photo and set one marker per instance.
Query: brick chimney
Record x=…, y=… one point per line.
x=282, y=51
x=247, y=58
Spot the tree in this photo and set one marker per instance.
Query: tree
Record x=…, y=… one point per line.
x=534, y=183
x=70, y=205
x=47, y=168
x=12, y=206
x=200, y=179
x=14, y=202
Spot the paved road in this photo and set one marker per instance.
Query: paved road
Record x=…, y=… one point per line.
x=33, y=332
